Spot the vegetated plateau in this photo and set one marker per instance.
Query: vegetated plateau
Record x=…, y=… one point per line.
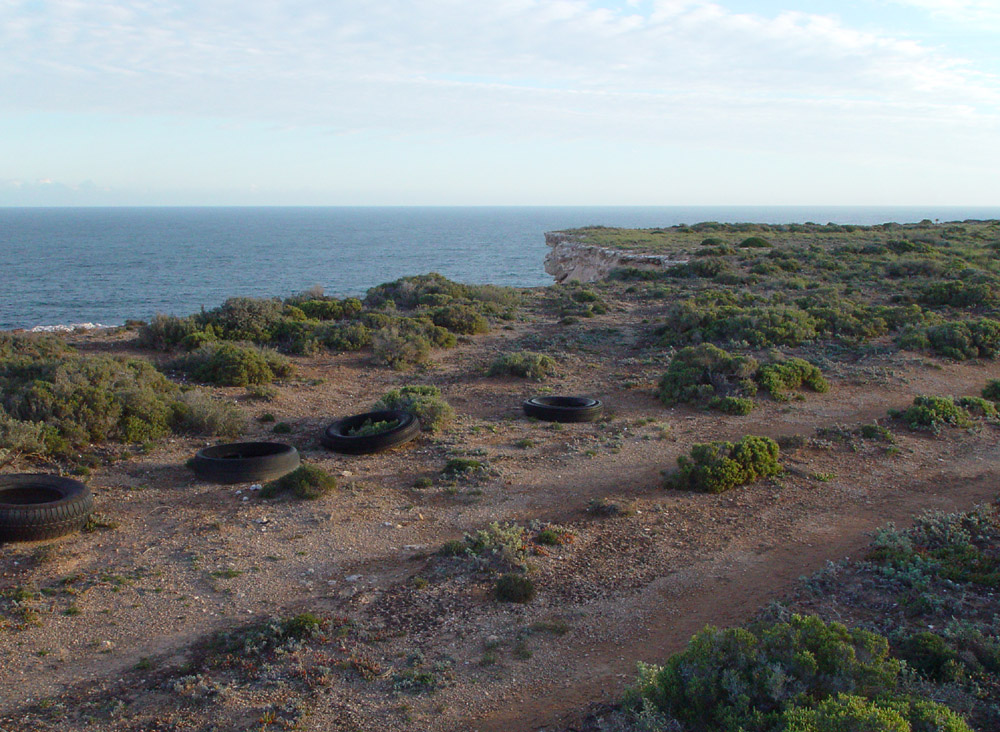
x=784, y=404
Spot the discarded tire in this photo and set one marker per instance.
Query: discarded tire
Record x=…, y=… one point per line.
x=338, y=437
x=564, y=409
x=242, y=462
x=36, y=506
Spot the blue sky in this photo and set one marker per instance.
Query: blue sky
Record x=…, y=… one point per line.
x=454, y=102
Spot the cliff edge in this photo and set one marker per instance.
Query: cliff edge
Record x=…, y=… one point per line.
x=572, y=260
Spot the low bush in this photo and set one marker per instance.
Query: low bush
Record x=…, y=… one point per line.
x=330, y=309
x=748, y=679
x=399, y=350
x=698, y=373
x=425, y=402
x=779, y=378
x=716, y=467
x=853, y=713
x=965, y=339
x=992, y=390
x=231, y=364
x=199, y=413
x=306, y=481
x=167, y=332
x=368, y=427
x=48, y=405
x=350, y=336
x=977, y=406
x=463, y=319
x=756, y=242
x=526, y=364
x=740, y=406
x=512, y=587
x=708, y=374
x=932, y=412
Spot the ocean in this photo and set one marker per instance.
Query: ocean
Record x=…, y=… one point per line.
x=62, y=266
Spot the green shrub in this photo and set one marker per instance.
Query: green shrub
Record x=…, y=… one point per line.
x=756, y=242
x=350, y=336
x=992, y=390
x=198, y=413
x=166, y=332
x=512, y=587
x=526, y=364
x=462, y=467
x=852, y=713
x=245, y=319
x=732, y=405
x=930, y=654
x=231, y=364
x=26, y=347
x=960, y=294
x=778, y=378
x=977, y=406
x=932, y=412
x=306, y=481
x=463, y=319
x=425, y=402
x=690, y=321
x=282, y=428
x=368, y=427
x=716, y=467
x=48, y=405
x=400, y=350
x=738, y=679
x=331, y=309
x=962, y=340
x=698, y=373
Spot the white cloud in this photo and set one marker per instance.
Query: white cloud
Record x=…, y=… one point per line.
x=977, y=12
x=667, y=70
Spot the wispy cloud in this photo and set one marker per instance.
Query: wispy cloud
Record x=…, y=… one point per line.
x=549, y=67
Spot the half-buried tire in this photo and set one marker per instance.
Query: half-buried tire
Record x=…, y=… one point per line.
x=564, y=409
x=36, y=506
x=242, y=462
x=338, y=437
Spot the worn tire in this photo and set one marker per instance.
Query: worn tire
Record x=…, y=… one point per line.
x=37, y=506
x=335, y=436
x=243, y=462
x=564, y=409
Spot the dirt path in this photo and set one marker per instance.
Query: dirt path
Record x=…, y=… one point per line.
x=724, y=590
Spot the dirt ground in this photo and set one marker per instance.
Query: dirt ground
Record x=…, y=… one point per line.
x=423, y=645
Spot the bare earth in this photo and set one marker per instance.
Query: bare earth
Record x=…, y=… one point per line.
x=188, y=558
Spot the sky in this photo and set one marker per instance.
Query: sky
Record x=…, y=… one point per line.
x=499, y=102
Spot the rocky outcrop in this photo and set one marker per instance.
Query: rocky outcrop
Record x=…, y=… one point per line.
x=571, y=260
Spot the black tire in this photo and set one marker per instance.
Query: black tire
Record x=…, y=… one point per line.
x=564, y=409
x=336, y=437
x=40, y=506
x=243, y=462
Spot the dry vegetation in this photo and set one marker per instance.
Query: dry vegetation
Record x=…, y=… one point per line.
x=500, y=573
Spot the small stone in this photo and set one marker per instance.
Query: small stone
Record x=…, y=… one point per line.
x=352, y=577
x=256, y=487
x=387, y=523
x=245, y=498
x=346, y=473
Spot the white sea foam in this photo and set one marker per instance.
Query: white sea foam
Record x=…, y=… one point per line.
x=69, y=328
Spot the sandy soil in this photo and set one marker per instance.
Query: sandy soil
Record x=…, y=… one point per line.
x=123, y=609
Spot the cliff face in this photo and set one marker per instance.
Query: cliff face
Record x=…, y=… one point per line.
x=571, y=260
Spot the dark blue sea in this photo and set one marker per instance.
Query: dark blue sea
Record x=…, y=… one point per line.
x=103, y=265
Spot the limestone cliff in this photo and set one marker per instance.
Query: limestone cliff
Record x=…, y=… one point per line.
x=571, y=260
